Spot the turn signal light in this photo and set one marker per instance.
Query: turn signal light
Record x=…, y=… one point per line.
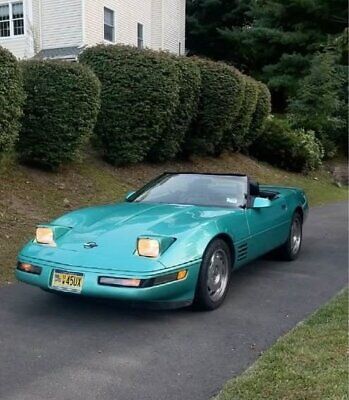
x=176, y=276
x=31, y=269
x=182, y=275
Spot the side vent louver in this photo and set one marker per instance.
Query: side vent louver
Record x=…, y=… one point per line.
x=242, y=251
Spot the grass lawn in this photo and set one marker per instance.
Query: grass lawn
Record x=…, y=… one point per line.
x=309, y=363
x=29, y=196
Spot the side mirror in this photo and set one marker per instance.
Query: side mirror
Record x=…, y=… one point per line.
x=261, y=202
x=128, y=195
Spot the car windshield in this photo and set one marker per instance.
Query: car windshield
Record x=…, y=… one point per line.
x=195, y=189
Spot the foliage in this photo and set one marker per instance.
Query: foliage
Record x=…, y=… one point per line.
x=274, y=40
x=11, y=99
x=319, y=101
x=341, y=134
x=173, y=136
x=262, y=112
x=59, y=113
x=293, y=150
x=206, y=21
x=220, y=102
x=241, y=126
x=140, y=95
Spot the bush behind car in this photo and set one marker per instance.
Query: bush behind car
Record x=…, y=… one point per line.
x=61, y=107
x=174, y=135
x=11, y=99
x=293, y=150
x=139, y=98
x=220, y=102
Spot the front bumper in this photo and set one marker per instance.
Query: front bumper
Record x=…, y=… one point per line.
x=181, y=292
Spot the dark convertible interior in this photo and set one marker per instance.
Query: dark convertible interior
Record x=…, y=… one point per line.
x=255, y=191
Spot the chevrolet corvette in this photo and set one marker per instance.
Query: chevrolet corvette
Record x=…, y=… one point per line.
x=174, y=242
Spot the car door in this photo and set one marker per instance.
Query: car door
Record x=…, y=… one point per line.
x=268, y=226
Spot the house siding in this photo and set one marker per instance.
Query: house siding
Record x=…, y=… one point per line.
x=157, y=25
x=36, y=25
x=61, y=23
x=182, y=25
x=17, y=46
x=173, y=25
x=127, y=14
x=52, y=24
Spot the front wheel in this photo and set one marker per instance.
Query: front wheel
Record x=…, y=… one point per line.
x=214, y=276
x=291, y=249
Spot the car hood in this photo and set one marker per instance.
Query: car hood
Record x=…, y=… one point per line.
x=115, y=229
x=115, y=221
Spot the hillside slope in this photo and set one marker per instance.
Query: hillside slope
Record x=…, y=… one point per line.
x=29, y=196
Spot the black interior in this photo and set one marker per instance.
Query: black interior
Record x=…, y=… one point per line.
x=256, y=192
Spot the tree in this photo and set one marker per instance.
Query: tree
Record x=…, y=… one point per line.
x=274, y=40
x=319, y=102
x=207, y=19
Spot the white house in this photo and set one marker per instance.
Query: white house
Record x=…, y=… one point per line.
x=62, y=28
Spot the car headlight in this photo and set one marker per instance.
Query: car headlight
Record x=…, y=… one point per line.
x=45, y=235
x=148, y=247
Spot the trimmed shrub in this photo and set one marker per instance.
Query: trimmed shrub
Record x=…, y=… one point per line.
x=294, y=150
x=241, y=126
x=259, y=118
x=140, y=95
x=11, y=99
x=173, y=136
x=59, y=112
x=220, y=103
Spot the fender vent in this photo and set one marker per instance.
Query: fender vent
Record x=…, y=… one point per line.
x=242, y=251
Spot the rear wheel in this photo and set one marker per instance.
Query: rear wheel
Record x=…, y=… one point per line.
x=214, y=276
x=291, y=249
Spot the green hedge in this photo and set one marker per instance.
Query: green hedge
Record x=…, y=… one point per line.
x=220, y=103
x=242, y=124
x=140, y=95
x=59, y=112
x=294, y=150
x=260, y=115
x=11, y=99
x=173, y=136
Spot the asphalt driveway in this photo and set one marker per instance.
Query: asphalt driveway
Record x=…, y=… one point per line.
x=54, y=348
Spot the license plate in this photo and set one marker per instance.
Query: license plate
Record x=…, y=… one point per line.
x=67, y=281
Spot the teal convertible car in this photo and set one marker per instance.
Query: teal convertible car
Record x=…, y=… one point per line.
x=174, y=242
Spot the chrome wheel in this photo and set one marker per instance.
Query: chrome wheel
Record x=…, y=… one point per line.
x=218, y=275
x=296, y=236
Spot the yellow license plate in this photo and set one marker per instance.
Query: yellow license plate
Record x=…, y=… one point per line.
x=67, y=281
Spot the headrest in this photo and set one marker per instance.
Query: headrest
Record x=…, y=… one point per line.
x=254, y=189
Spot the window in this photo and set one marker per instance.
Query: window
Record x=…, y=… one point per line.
x=194, y=189
x=109, y=25
x=5, y=20
x=18, y=19
x=11, y=19
x=140, y=41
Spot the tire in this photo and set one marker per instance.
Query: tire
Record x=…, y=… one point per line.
x=214, y=277
x=291, y=249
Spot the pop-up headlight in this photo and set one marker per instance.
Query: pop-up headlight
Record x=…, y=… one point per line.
x=45, y=235
x=153, y=247
x=148, y=247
